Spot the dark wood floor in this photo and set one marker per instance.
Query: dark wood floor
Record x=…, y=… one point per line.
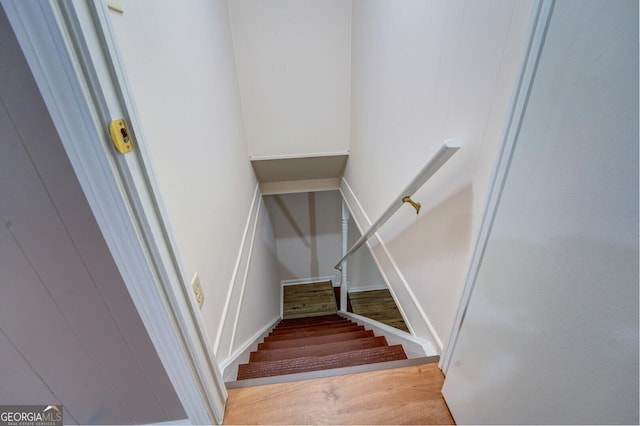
x=378, y=305
x=308, y=300
x=408, y=395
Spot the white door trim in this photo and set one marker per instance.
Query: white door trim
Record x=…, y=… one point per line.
x=70, y=49
x=537, y=34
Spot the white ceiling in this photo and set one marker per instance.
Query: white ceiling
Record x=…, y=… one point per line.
x=277, y=170
x=304, y=174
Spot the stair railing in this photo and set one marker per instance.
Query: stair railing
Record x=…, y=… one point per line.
x=448, y=148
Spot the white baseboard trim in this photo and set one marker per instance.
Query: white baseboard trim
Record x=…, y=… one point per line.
x=415, y=317
x=414, y=347
x=229, y=366
x=243, y=259
x=297, y=281
x=374, y=287
x=244, y=277
x=172, y=422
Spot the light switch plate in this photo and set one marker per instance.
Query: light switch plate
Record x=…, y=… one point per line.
x=197, y=290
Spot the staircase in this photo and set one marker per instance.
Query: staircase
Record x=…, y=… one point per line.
x=318, y=343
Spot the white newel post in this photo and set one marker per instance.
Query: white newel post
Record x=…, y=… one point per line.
x=345, y=237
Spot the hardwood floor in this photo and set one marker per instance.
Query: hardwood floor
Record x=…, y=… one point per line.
x=308, y=300
x=408, y=395
x=378, y=305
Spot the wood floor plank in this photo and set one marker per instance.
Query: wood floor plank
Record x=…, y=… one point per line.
x=408, y=395
x=378, y=305
x=308, y=300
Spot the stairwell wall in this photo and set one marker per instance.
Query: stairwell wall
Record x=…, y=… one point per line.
x=362, y=271
x=181, y=69
x=293, y=67
x=308, y=232
x=423, y=72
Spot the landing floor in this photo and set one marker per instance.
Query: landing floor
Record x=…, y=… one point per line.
x=308, y=300
x=408, y=395
x=378, y=305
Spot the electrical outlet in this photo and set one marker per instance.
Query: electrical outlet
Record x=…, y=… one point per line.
x=197, y=289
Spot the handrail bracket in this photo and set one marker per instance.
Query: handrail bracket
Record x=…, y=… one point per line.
x=416, y=205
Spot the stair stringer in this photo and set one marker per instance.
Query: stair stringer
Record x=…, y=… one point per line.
x=414, y=347
x=230, y=365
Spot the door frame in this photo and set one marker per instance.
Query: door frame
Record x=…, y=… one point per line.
x=541, y=14
x=71, y=50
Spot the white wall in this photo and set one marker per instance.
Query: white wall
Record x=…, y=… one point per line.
x=362, y=271
x=69, y=331
x=423, y=72
x=551, y=331
x=293, y=68
x=308, y=233
x=263, y=286
x=180, y=65
x=253, y=296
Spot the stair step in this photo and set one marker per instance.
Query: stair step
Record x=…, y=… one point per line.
x=316, y=350
x=310, y=375
x=327, y=321
x=312, y=363
x=316, y=340
x=327, y=326
x=302, y=334
x=310, y=320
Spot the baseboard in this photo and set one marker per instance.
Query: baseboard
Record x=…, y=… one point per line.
x=416, y=319
x=414, y=347
x=241, y=355
x=172, y=422
x=297, y=281
x=366, y=288
x=238, y=277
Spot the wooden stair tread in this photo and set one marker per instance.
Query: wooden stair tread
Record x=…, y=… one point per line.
x=322, y=349
x=311, y=363
x=311, y=320
x=315, y=340
x=313, y=333
x=323, y=326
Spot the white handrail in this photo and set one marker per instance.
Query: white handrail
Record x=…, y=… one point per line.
x=448, y=148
